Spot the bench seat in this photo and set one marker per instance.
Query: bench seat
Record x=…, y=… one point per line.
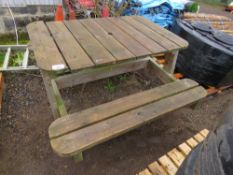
x=74, y=133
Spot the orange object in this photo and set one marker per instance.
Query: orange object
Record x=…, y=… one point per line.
x=179, y=75
x=105, y=12
x=161, y=61
x=59, y=16
x=212, y=90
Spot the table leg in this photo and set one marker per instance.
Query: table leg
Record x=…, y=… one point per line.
x=171, y=59
x=47, y=77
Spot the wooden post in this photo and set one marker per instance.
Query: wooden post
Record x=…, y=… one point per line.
x=47, y=77
x=171, y=59
x=163, y=75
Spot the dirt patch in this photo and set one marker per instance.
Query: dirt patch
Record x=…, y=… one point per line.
x=95, y=93
x=24, y=143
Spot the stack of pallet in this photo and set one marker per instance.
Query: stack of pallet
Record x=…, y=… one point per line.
x=169, y=163
x=215, y=21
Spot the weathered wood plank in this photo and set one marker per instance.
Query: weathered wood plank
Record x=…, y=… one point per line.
x=93, y=48
x=98, y=73
x=81, y=119
x=46, y=52
x=140, y=37
x=171, y=59
x=163, y=75
x=73, y=53
x=192, y=143
x=156, y=169
x=184, y=148
x=126, y=40
x=164, y=32
x=77, y=141
x=168, y=165
x=49, y=90
x=106, y=39
x=59, y=102
x=176, y=157
x=145, y=172
x=162, y=41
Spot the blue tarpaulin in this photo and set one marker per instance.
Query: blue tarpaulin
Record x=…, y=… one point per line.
x=162, y=12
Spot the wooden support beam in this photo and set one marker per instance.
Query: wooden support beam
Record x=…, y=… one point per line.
x=59, y=101
x=164, y=76
x=49, y=90
x=98, y=73
x=171, y=59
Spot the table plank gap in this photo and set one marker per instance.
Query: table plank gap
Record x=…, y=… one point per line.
x=164, y=32
x=126, y=40
x=167, y=44
x=73, y=53
x=140, y=37
x=112, y=45
x=93, y=47
x=48, y=57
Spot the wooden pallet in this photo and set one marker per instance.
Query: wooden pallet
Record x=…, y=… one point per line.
x=169, y=163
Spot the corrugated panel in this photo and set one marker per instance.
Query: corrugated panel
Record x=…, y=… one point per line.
x=18, y=3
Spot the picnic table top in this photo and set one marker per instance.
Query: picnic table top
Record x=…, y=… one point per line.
x=80, y=44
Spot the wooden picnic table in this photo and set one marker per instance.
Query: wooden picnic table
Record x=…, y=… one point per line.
x=80, y=51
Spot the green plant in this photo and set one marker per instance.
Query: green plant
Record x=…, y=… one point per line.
x=2, y=56
x=193, y=7
x=109, y=86
x=16, y=59
x=122, y=77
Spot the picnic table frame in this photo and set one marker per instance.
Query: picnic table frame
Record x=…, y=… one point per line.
x=70, y=53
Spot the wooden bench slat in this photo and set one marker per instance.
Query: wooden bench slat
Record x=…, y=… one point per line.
x=156, y=169
x=81, y=119
x=129, y=42
x=111, y=44
x=94, y=49
x=77, y=141
x=165, y=33
x=140, y=37
x=164, y=42
x=45, y=50
x=73, y=53
x=176, y=157
x=168, y=165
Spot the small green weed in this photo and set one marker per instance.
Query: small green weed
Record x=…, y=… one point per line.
x=122, y=77
x=109, y=86
x=16, y=59
x=2, y=56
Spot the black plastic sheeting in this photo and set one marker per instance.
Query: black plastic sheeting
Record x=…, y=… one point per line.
x=215, y=155
x=209, y=57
